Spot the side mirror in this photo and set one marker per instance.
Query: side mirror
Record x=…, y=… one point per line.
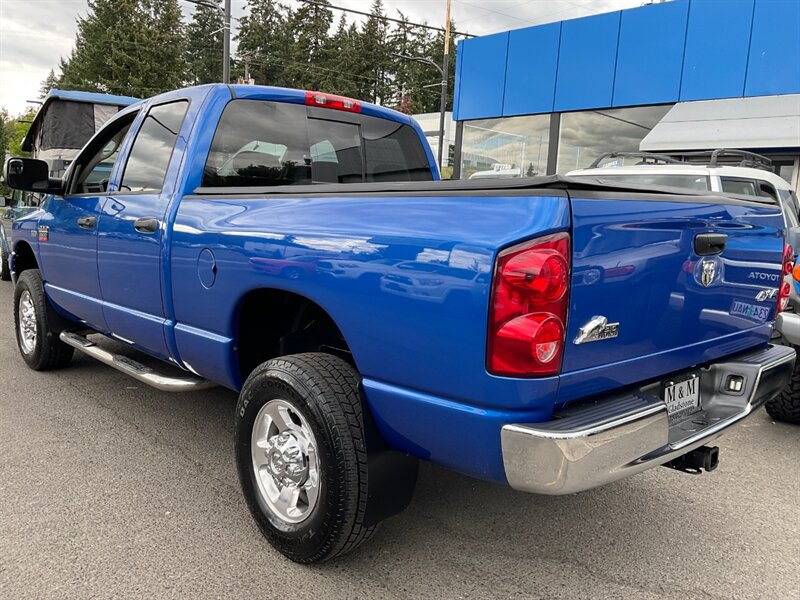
x=30, y=175
x=793, y=238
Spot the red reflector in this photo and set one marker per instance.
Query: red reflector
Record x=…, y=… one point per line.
x=547, y=341
x=783, y=297
x=528, y=309
x=784, y=288
x=788, y=255
x=332, y=101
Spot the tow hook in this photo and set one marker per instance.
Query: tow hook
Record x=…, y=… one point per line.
x=695, y=462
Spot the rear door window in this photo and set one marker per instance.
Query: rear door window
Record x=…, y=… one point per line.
x=152, y=149
x=259, y=144
x=264, y=143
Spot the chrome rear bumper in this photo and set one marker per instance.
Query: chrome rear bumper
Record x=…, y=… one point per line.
x=596, y=443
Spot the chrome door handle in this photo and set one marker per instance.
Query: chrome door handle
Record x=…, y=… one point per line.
x=146, y=225
x=87, y=222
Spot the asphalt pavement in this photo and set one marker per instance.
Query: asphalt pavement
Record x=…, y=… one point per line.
x=111, y=489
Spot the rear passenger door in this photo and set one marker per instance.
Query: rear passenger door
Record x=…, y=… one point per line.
x=132, y=229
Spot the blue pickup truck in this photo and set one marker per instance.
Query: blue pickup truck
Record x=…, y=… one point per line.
x=548, y=334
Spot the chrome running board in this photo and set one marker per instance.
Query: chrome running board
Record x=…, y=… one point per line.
x=182, y=382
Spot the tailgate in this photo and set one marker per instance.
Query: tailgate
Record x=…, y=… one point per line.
x=635, y=264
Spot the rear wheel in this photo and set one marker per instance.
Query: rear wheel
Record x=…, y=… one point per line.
x=786, y=406
x=301, y=453
x=37, y=326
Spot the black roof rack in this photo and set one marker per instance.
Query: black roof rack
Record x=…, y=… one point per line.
x=721, y=157
x=727, y=157
x=647, y=158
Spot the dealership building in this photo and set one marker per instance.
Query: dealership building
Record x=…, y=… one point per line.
x=667, y=77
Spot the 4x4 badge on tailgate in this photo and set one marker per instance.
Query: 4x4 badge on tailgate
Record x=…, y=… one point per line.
x=598, y=328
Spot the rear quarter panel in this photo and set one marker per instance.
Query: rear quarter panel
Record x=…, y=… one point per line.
x=419, y=327
x=407, y=281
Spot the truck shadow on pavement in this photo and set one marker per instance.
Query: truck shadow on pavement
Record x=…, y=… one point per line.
x=657, y=534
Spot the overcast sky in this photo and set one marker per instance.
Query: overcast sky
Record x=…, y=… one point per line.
x=35, y=33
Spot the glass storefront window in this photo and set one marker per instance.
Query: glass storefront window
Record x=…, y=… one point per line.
x=586, y=135
x=784, y=167
x=506, y=147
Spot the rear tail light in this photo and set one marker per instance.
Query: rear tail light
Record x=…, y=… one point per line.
x=785, y=289
x=332, y=101
x=528, y=312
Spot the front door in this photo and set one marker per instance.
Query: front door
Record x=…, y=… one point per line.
x=68, y=229
x=131, y=234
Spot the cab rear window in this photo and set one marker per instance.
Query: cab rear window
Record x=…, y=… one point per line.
x=264, y=143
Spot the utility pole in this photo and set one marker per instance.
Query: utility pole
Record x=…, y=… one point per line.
x=225, y=14
x=443, y=86
x=226, y=42
x=445, y=71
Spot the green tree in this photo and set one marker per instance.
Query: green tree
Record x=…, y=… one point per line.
x=375, y=59
x=408, y=77
x=203, y=45
x=14, y=131
x=264, y=39
x=311, y=64
x=345, y=62
x=5, y=131
x=132, y=47
x=50, y=82
x=163, y=22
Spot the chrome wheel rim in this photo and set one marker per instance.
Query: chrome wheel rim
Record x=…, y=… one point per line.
x=285, y=461
x=27, y=322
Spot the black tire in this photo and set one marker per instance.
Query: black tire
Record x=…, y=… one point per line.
x=5, y=268
x=786, y=406
x=325, y=391
x=48, y=351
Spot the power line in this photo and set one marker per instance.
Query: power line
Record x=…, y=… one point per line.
x=497, y=12
x=383, y=18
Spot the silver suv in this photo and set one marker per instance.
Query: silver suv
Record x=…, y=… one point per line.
x=724, y=170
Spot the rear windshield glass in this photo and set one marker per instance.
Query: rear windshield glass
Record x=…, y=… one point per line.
x=691, y=182
x=262, y=143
